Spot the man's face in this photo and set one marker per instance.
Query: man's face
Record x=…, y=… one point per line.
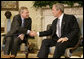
x=54, y=11
x=25, y=13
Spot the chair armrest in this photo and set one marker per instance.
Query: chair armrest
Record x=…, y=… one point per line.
x=68, y=51
x=77, y=45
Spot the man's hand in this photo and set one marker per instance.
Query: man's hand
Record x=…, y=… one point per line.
x=62, y=39
x=33, y=33
x=21, y=36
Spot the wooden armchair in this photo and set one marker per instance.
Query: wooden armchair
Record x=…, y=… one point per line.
x=69, y=51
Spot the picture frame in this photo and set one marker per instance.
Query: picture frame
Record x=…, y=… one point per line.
x=9, y=5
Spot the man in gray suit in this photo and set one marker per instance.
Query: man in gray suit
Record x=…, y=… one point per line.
x=19, y=32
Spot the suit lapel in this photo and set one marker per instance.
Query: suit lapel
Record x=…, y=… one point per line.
x=63, y=23
x=25, y=23
x=55, y=25
x=20, y=20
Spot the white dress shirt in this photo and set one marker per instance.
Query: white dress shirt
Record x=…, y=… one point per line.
x=60, y=22
x=23, y=24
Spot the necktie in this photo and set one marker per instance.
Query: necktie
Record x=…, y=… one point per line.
x=8, y=24
x=22, y=22
x=58, y=28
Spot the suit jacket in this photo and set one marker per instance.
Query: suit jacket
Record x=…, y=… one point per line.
x=69, y=29
x=16, y=28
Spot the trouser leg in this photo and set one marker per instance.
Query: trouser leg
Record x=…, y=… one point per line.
x=8, y=45
x=15, y=46
x=60, y=49
x=44, y=50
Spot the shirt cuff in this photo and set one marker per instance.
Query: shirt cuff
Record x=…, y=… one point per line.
x=38, y=33
x=19, y=35
x=28, y=31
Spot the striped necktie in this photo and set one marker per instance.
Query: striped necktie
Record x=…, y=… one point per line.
x=58, y=28
x=22, y=22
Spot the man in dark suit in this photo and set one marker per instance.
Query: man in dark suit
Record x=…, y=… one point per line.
x=19, y=32
x=64, y=30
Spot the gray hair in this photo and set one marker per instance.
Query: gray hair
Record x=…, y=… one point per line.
x=59, y=6
x=21, y=9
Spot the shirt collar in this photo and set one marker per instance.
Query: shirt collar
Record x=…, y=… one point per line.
x=22, y=18
x=61, y=16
